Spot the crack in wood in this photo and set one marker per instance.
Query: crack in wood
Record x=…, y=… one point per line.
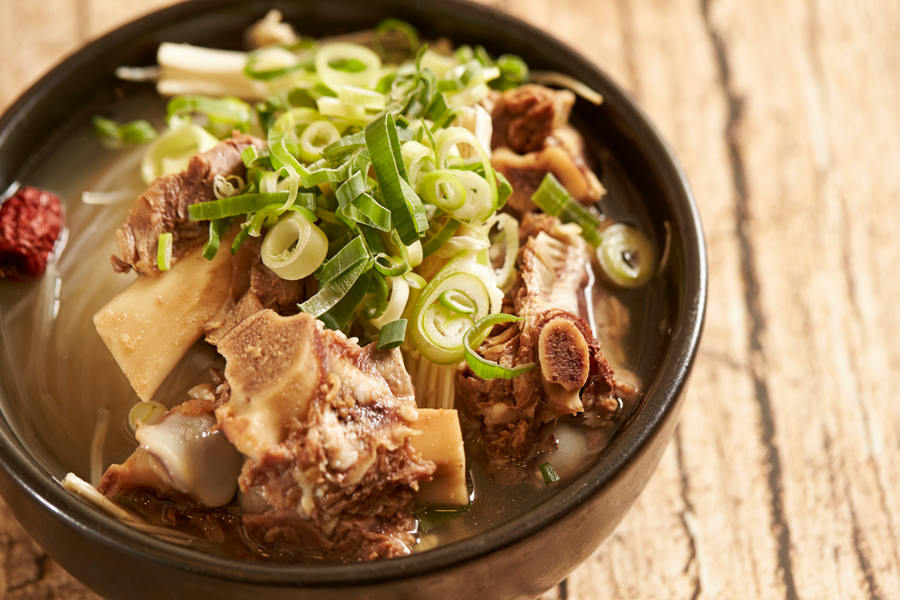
x=41, y=562
x=752, y=300
x=687, y=516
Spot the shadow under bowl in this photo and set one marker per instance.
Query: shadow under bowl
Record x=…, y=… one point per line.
x=520, y=558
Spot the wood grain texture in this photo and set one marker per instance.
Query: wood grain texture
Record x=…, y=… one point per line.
x=780, y=482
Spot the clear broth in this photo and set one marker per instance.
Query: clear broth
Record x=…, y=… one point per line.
x=61, y=381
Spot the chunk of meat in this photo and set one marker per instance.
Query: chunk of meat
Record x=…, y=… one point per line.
x=255, y=287
x=566, y=162
x=182, y=456
x=163, y=208
x=523, y=117
x=571, y=375
x=325, y=427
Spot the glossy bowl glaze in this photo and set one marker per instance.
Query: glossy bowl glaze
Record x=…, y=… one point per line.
x=518, y=559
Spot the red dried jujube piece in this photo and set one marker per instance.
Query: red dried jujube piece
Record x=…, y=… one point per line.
x=30, y=222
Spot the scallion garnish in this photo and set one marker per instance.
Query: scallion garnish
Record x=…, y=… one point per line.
x=432, y=242
x=217, y=228
x=549, y=473
x=247, y=203
x=402, y=201
x=392, y=335
x=457, y=301
x=135, y=132
x=552, y=198
x=229, y=111
x=487, y=369
x=164, y=252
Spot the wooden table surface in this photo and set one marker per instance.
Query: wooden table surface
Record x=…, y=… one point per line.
x=786, y=116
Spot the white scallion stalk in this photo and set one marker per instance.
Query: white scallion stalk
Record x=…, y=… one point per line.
x=414, y=254
x=470, y=96
x=419, y=161
x=173, y=149
x=145, y=413
x=294, y=248
x=164, y=252
x=397, y=303
x=106, y=198
x=330, y=54
x=186, y=69
x=477, y=120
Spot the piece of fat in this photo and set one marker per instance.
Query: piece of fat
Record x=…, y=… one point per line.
x=441, y=442
x=153, y=322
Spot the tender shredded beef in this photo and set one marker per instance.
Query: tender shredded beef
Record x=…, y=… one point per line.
x=525, y=116
x=163, y=208
x=324, y=425
x=571, y=375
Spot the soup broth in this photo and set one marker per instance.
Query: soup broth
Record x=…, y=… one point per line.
x=65, y=393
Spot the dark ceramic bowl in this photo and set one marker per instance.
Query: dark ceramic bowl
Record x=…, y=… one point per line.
x=520, y=558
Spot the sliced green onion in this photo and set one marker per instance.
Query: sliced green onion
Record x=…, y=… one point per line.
x=367, y=62
x=437, y=330
x=332, y=107
x=488, y=369
x=228, y=110
x=549, y=473
x=377, y=216
x=217, y=228
x=294, y=247
x=164, y=252
x=396, y=304
x=457, y=301
x=315, y=138
x=509, y=232
x=433, y=243
x=145, y=413
x=172, y=150
x=392, y=335
x=437, y=63
x=415, y=281
x=626, y=256
x=334, y=290
x=389, y=25
x=239, y=205
x=344, y=310
x=444, y=189
x=348, y=257
x=414, y=254
x=418, y=160
x=453, y=136
x=135, y=132
x=345, y=146
x=552, y=198
x=272, y=62
x=357, y=96
x=406, y=208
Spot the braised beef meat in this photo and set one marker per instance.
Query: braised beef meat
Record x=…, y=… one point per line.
x=163, y=208
x=571, y=373
x=325, y=428
x=531, y=137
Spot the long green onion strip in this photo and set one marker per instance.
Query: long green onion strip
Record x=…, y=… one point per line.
x=433, y=242
x=349, y=256
x=340, y=315
x=217, y=228
x=164, y=252
x=405, y=206
x=553, y=199
x=245, y=203
x=135, y=132
x=488, y=369
x=548, y=473
x=334, y=290
x=345, y=146
x=392, y=335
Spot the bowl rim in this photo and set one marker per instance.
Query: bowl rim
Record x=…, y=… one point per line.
x=660, y=399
